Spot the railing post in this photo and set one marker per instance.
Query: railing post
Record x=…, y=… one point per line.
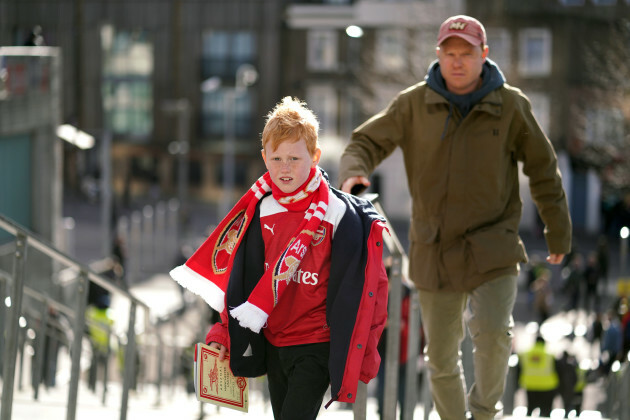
x=8, y=374
x=392, y=352
x=624, y=408
x=108, y=352
x=160, y=370
x=359, y=408
x=41, y=348
x=130, y=361
x=413, y=350
x=75, y=351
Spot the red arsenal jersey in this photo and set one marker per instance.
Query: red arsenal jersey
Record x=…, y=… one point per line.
x=300, y=315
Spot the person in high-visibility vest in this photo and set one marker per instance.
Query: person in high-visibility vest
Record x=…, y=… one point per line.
x=539, y=377
x=99, y=324
x=578, y=396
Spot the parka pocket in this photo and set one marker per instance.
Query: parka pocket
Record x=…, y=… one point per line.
x=492, y=249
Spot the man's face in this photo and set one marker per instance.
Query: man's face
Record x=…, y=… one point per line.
x=460, y=64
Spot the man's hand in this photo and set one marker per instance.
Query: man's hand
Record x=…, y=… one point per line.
x=555, y=258
x=222, y=350
x=352, y=181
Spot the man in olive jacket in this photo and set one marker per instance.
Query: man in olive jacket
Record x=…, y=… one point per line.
x=462, y=132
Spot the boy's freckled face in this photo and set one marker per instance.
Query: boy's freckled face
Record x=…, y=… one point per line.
x=290, y=164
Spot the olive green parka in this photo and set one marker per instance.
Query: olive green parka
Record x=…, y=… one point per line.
x=462, y=174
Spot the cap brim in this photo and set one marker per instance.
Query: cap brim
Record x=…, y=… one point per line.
x=468, y=38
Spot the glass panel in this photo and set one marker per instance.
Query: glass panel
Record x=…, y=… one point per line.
x=223, y=53
x=127, y=86
x=322, y=50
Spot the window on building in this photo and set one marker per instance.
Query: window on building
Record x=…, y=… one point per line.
x=572, y=2
x=322, y=50
x=222, y=54
x=604, y=126
x=390, y=51
x=535, y=52
x=322, y=99
x=604, y=2
x=127, y=87
x=541, y=107
x=500, y=44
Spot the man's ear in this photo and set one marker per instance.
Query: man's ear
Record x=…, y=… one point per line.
x=262, y=152
x=484, y=53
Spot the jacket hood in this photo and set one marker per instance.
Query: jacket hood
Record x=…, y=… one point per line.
x=492, y=78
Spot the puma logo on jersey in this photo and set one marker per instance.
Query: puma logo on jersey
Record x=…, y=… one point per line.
x=266, y=226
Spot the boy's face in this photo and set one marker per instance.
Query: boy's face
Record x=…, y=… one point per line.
x=290, y=164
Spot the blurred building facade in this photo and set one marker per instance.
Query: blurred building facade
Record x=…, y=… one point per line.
x=129, y=66
x=30, y=153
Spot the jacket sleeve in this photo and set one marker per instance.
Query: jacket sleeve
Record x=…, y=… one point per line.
x=540, y=164
x=372, y=359
x=219, y=332
x=372, y=142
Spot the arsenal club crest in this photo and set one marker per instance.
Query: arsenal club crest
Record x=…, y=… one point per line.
x=319, y=236
x=227, y=243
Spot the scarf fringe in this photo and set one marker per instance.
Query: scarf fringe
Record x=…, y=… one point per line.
x=199, y=285
x=250, y=316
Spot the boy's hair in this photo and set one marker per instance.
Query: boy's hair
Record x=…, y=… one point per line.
x=291, y=120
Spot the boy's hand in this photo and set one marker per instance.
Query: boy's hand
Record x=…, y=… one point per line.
x=349, y=183
x=222, y=350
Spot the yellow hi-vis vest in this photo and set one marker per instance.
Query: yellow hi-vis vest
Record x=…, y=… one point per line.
x=99, y=327
x=581, y=380
x=538, y=370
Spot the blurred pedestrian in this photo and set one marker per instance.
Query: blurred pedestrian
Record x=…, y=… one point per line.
x=538, y=376
x=596, y=330
x=591, y=281
x=578, y=394
x=573, y=279
x=603, y=258
x=99, y=324
x=624, y=310
x=463, y=132
x=567, y=367
x=543, y=295
x=612, y=342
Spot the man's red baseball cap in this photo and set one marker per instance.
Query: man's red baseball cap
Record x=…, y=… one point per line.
x=465, y=27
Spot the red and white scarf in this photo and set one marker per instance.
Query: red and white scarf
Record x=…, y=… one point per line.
x=207, y=271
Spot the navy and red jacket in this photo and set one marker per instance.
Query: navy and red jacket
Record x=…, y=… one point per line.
x=356, y=302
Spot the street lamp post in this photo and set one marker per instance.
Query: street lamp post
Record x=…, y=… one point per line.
x=246, y=75
x=181, y=146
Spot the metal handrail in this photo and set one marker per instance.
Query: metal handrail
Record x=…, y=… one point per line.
x=48, y=249
x=24, y=240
